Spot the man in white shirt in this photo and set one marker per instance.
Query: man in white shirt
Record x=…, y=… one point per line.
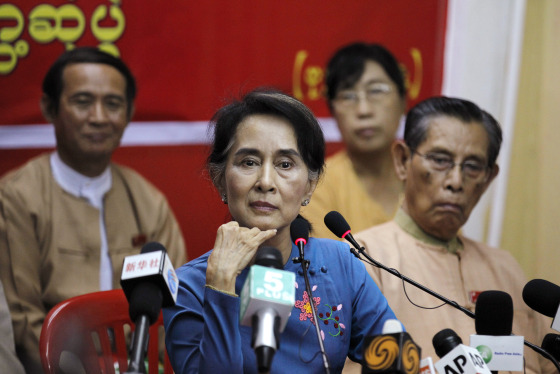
x=68, y=219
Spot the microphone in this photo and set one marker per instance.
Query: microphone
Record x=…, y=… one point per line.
x=267, y=299
x=493, y=313
x=427, y=366
x=493, y=321
x=338, y=226
x=299, y=232
x=149, y=282
x=152, y=265
x=543, y=297
x=393, y=351
x=456, y=357
x=551, y=344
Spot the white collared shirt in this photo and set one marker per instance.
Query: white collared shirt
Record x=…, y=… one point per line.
x=93, y=190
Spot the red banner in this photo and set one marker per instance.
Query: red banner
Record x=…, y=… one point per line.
x=188, y=57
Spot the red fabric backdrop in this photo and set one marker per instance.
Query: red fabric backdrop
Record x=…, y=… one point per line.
x=188, y=57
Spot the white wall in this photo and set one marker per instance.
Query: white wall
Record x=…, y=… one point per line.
x=482, y=58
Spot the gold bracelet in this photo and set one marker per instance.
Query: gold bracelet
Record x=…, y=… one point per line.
x=222, y=291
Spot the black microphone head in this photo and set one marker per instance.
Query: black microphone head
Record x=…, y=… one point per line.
x=493, y=313
x=299, y=229
x=336, y=223
x=551, y=344
x=152, y=247
x=145, y=299
x=269, y=257
x=542, y=296
x=444, y=341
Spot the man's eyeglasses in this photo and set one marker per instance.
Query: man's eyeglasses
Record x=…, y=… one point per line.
x=471, y=169
x=373, y=93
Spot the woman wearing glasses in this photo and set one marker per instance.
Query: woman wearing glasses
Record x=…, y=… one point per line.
x=366, y=96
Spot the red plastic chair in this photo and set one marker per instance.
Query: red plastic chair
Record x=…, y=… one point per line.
x=90, y=330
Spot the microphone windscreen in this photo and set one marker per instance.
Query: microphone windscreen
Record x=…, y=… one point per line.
x=542, y=296
x=444, y=342
x=152, y=247
x=269, y=257
x=145, y=299
x=299, y=229
x=336, y=223
x=493, y=313
x=551, y=344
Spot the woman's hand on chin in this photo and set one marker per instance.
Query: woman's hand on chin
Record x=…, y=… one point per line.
x=233, y=250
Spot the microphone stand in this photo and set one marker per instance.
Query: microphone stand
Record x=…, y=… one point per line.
x=139, y=343
x=305, y=267
x=454, y=304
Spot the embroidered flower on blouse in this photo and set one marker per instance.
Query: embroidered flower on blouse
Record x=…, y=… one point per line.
x=305, y=306
x=330, y=318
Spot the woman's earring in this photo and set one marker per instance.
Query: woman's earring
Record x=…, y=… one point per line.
x=305, y=202
x=224, y=198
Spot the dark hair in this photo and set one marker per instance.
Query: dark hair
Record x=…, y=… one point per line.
x=347, y=65
x=52, y=83
x=418, y=118
x=310, y=140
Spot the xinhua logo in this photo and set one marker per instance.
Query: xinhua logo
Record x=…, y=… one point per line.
x=485, y=352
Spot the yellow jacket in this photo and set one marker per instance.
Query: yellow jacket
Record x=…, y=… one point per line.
x=341, y=190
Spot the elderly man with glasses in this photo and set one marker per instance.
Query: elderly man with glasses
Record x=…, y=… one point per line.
x=446, y=161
